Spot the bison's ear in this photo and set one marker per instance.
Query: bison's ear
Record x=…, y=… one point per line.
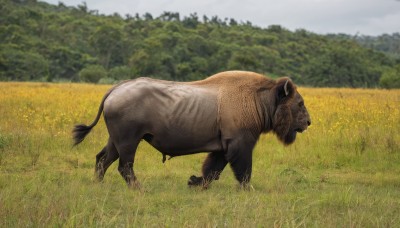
x=285, y=89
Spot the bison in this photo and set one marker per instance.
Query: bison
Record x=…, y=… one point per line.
x=223, y=115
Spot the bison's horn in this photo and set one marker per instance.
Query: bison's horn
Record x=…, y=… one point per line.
x=285, y=87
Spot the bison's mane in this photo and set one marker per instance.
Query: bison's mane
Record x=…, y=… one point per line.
x=255, y=101
x=282, y=118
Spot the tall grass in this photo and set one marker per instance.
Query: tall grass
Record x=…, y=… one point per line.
x=344, y=171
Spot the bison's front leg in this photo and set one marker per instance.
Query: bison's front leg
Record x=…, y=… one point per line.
x=240, y=154
x=242, y=167
x=212, y=168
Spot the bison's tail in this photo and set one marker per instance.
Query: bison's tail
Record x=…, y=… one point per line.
x=79, y=133
x=81, y=130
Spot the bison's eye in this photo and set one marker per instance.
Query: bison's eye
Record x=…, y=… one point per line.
x=301, y=104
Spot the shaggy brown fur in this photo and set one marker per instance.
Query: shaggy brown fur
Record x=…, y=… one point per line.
x=240, y=106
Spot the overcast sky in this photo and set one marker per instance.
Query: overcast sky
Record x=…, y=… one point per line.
x=367, y=17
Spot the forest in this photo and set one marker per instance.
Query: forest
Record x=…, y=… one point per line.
x=60, y=43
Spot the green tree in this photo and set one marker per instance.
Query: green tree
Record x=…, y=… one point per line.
x=121, y=73
x=192, y=21
x=341, y=66
x=391, y=78
x=92, y=73
x=65, y=63
x=42, y=41
x=108, y=43
x=17, y=65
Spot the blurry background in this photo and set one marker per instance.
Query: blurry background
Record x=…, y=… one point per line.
x=316, y=42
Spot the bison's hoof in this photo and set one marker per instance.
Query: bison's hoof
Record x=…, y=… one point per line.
x=246, y=187
x=195, y=181
x=135, y=185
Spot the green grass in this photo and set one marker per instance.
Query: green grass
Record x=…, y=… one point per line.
x=323, y=180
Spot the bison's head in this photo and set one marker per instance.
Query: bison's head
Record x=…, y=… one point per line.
x=291, y=115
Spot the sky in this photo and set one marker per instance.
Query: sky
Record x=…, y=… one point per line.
x=353, y=17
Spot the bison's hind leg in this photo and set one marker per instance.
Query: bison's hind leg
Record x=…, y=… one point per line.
x=127, y=150
x=104, y=159
x=212, y=168
x=100, y=157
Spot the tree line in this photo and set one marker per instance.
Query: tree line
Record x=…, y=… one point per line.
x=44, y=42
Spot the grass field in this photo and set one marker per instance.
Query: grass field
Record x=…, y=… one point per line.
x=343, y=172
